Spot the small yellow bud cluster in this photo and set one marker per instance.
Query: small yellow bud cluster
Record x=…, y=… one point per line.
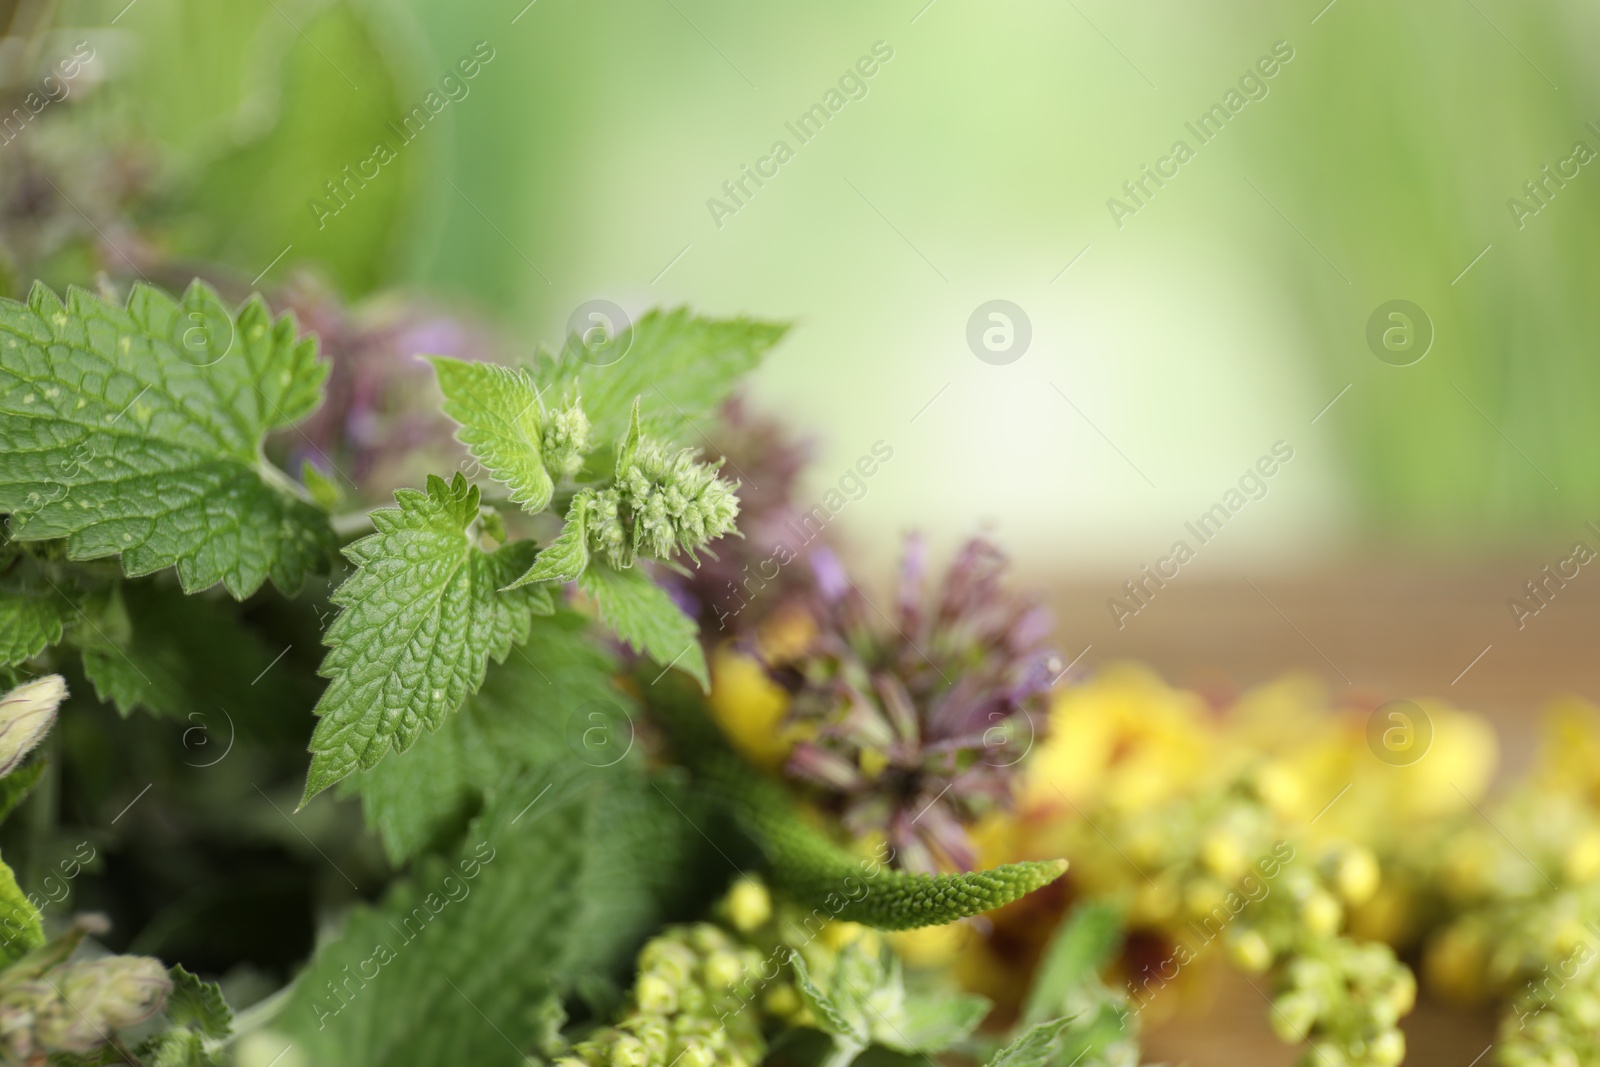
x=1347, y=1000
x=687, y=1007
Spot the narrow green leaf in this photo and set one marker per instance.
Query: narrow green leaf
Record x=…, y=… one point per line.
x=422, y=617
x=643, y=614
x=501, y=423
x=137, y=432
x=1085, y=942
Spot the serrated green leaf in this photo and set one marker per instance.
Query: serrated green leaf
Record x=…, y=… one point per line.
x=564, y=559
x=1034, y=1047
x=29, y=624
x=840, y=1013
x=1083, y=944
x=535, y=710
x=139, y=651
x=21, y=927
x=198, y=1005
x=422, y=616
x=136, y=432
x=15, y=787
x=501, y=422
x=686, y=362
x=933, y=1022
x=645, y=616
x=560, y=881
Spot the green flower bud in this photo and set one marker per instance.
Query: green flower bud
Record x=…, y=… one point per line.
x=749, y=905
x=565, y=440
x=1387, y=1049
x=1293, y=1015
x=26, y=715
x=654, y=993
x=628, y=1051
x=696, y=1054
x=722, y=970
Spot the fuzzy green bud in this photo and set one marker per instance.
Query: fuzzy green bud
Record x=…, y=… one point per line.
x=663, y=502
x=1293, y=1015
x=26, y=715
x=564, y=441
x=655, y=994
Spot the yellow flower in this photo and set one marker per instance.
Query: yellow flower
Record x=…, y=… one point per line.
x=749, y=707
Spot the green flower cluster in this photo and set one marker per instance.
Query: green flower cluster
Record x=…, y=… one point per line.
x=73, y=1007
x=564, y=441
x=685, y=1007
x=662, y=501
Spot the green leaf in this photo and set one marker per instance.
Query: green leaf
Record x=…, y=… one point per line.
x=137, y=433
x=1085, y=942
x=645, y=616
x=501, y=424
x=552, y=701
x=559, y=882
x=30, y=622
x=325, y=492
x=139, y=651
x=301, y=174
x=864, y=1000
x=21, y=927
x=197, y=1004
x=1034, y=1047
x=564, y=559
x=933, y=1022
x=841, y=1012
x=685, y=364
x=15, y=787
x=422, y=617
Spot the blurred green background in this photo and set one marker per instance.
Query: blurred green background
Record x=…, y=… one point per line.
x=1171, y=347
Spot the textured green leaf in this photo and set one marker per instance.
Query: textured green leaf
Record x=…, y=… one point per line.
x=501, y=424
x=553, y=700
x=933, y=1022
x=1034, y=1047
x=1084, y=943
x=645, y=616
x=559, y=883
x=564, y=559
x=684, y=364
x=199, y=1005
x=15, y=787
x=140, y=651
x=30, y=622
x=421, y=618
x=864, y=1000
x=21, y=928
x=137, y=433
x=806, y=864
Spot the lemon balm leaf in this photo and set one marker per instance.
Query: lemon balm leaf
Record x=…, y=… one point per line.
x=566, y=557
x=137, y=432
x=642, y=613
x=421, y=617
x=685, y=364
x=501, y=423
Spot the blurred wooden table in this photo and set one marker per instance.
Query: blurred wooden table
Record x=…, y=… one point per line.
x=1378, y=631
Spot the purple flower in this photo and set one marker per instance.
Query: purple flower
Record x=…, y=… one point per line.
x=918, y=719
